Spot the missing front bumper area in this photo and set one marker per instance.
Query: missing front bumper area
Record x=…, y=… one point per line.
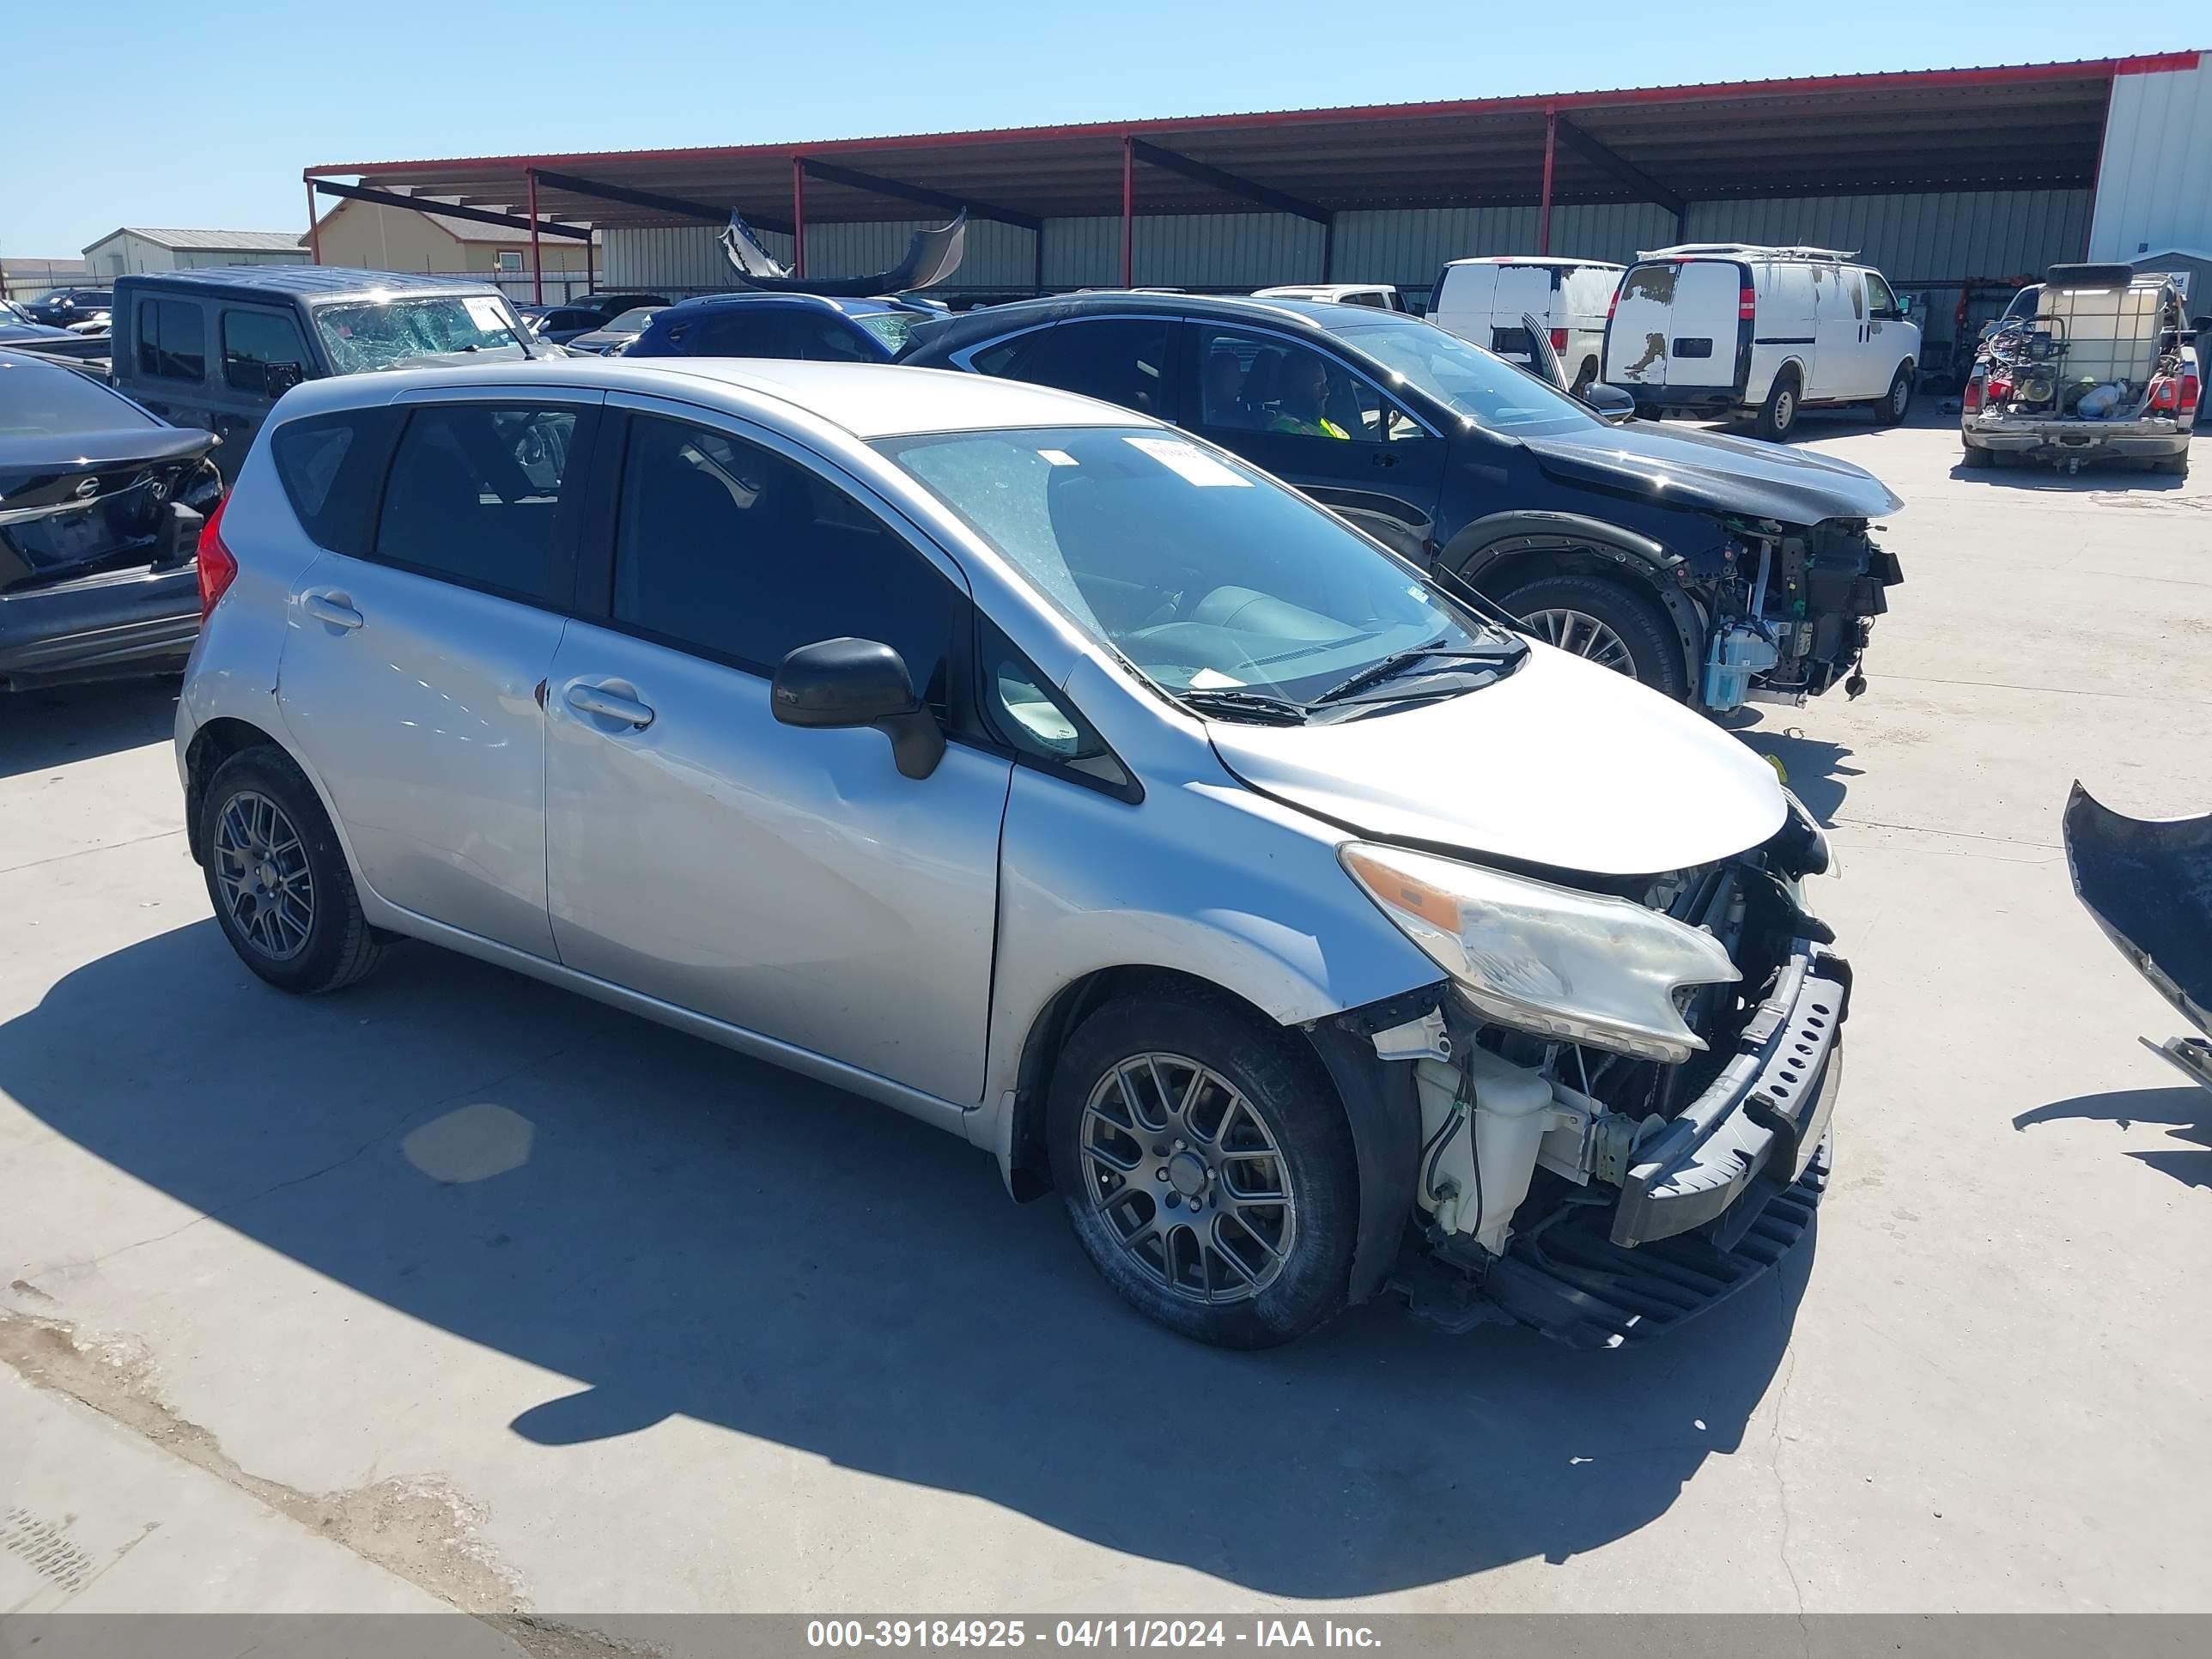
x=1700, y=1207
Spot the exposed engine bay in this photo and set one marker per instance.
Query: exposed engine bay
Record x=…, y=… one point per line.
x=1792, y=610
x=1602, y=1195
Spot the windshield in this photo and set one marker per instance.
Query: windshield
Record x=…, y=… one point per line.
x=376, y=334
x=1206, y=576
x=1488, y=391
x=891, y=327
x=41, y=399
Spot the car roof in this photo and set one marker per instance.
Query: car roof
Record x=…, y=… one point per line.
x=866, y=400
x=1531, y=259
x=312, y=282
x=1323, y=316
x=850, y=307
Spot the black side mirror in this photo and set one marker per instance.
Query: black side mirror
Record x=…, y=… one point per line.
x=277, y=378
x=836, y=683
x=1608, y=402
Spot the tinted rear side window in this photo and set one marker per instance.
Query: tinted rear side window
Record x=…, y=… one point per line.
x=473, y=494
x=172, y=340
x=330, y=466
x=1120, y=359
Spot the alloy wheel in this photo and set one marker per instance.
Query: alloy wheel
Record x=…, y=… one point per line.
x=1583, y=634
x=1189, y=1178
x=261, y=872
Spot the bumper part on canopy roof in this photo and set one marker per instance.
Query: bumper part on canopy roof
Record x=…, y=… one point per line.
x=934, y=255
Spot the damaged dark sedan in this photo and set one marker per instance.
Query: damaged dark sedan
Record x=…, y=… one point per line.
x=1715, y=570
x=100, y=508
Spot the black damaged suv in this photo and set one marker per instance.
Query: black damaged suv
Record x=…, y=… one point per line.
x=1711, y=568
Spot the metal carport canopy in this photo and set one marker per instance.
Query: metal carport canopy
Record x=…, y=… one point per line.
x=2019, y=127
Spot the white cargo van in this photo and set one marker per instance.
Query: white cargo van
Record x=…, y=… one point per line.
x=1483, y=300
x=1728, y=328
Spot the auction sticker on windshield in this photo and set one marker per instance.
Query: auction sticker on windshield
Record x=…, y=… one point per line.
x=484, y=311
x=1193, y=465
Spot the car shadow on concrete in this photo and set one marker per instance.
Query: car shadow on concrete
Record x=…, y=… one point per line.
x=2042, y=476
x=682, y=1230
x=61, y=724
x=1817, y=771
x=2187, y=1107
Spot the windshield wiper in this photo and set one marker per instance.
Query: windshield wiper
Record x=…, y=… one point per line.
x=1435, y=650
x=1252, y=705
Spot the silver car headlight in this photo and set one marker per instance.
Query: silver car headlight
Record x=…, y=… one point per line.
x=1576, y=966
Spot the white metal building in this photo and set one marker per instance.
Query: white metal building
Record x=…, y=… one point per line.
x=136, y=248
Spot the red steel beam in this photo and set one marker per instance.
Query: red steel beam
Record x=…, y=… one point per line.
x=1128, y=210
x=798, y=215
x=1544, y=201
x=536, y=260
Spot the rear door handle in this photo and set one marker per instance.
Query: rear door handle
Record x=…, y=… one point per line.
x=332, y=609
x=589, y=699
x=1384, y=457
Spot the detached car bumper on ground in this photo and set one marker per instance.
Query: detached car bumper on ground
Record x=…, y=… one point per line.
x=1088, y=794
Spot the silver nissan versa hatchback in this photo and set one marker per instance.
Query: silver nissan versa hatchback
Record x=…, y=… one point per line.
x=1035, y=770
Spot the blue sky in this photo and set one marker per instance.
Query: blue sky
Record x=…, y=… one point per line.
x=204, y=115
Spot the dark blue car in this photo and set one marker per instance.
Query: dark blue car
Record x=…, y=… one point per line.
x=1709, y=567
x=803, y=325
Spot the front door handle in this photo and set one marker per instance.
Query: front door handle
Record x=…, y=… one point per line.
x=332, y=609
x=1384, y=457
x=589, y=699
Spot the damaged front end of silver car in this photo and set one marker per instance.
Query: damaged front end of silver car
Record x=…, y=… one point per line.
x=1614, y=1137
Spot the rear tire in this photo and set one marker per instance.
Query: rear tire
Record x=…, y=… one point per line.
x=1896, y=403
x=1976, y=458
x=1557, y=607
x=1148, y=1093
x=2175, y=466
x=1583, y=376
x=277, y=878
x=1777, y=416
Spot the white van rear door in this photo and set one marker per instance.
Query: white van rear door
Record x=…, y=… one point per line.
x=1636, y=343
x=1522, y=290
x=1701, y=341
x=1463, y=304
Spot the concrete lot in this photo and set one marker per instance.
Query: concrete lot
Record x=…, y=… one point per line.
x=458, y=1290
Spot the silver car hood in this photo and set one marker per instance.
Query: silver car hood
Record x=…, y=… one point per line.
x=1562, y=762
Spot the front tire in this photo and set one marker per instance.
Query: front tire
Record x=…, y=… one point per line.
x=1607, y=623
x=1896, y=403
x=1206, y=1166
x=277, y=878
x=1777, y=416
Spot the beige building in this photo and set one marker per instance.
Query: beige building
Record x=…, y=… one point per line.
x=374, y=237
x=137, y=247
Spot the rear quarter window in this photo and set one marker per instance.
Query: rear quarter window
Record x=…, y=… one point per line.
x=332, y=470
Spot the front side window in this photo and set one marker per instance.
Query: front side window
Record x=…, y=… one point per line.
x=255, y=342
x=472, y=495
x=730, y=549
x=1204, y=574
x=1261, y=383
x=368, y=334
x=172, y=340
x=1120, y=359
x=1879, y=300
x=1478, y=387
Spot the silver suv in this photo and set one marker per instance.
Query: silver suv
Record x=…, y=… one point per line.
x=1039, y=771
